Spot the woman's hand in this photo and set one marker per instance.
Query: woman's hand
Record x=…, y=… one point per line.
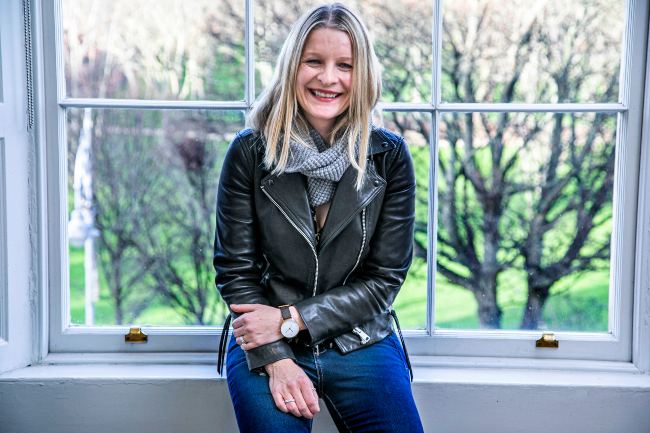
x=260, y=324
x=288, y=381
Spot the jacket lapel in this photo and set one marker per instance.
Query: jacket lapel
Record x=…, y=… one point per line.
x=289, y=192
x=348, y=202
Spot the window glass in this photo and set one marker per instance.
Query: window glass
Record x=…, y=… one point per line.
x=142, y=193
x=411, y=302
x=163, y=49
x=525, y=220
x=551, y=51
x=401, y=31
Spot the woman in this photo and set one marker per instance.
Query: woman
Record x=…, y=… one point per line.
x=315, y=215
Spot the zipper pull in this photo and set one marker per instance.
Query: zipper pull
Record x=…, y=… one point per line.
x=362, y=335
x=317, y=238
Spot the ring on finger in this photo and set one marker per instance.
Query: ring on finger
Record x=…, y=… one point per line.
x=290, y=401
x=241, y=340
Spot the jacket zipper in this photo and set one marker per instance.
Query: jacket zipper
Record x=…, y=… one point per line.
x=313, y=249
x=362, y=335
x=363, y=244
x=358, y=331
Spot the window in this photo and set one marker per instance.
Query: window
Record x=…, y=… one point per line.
x=522, y=121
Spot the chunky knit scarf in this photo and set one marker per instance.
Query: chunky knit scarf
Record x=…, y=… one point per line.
x=323, y=168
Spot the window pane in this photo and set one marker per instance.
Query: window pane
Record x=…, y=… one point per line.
x=524, y=220
x=552, y=51
x=401, y=31
x=146, y=180
x=164, y=49
x=411, y=302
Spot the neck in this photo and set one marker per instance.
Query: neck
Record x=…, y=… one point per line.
x=323, y=126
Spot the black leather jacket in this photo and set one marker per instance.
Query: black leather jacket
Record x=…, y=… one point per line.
x=343, y=284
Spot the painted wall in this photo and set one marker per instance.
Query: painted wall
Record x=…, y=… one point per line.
x=98, y=401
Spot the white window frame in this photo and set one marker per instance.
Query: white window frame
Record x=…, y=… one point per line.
x=18, y=282
x=626, y=347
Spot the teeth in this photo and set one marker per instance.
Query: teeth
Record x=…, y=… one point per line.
x=325, y=95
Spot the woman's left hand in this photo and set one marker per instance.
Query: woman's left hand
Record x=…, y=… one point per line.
x=259, y=325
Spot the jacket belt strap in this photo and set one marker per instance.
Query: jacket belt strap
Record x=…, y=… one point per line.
x=399, y=330
x=222, y=344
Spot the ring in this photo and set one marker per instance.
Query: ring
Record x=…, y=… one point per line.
x=242, y=341
x=290, y=401
x=313, y=389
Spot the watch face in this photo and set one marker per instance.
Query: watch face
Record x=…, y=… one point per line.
x=289, y=328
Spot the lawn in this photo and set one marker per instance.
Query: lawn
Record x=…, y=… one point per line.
x=577, y=303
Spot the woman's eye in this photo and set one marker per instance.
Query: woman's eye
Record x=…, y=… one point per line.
x=312, y=62
x=345, y=66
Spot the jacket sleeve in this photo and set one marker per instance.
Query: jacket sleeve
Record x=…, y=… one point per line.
x=236, y=251
x=383, y=271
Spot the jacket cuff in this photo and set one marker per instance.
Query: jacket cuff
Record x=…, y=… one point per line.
x=260, y=356
x=319, y=329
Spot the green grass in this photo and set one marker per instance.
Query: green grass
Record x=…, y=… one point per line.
x=577, y=303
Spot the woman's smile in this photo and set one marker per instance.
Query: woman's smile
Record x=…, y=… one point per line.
x=324, y=78
x=324, y=95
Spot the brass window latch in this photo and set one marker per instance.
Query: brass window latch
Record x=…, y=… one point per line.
x=135, y=335
x=547, y=341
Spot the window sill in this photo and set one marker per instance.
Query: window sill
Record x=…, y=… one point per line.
x=501, y=372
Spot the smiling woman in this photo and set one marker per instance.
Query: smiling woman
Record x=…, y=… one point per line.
x=314, y=239
x=324, y=78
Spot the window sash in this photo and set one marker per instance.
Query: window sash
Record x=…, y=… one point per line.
x=614, y=345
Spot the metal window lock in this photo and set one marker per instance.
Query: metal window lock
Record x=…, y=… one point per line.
x=547, y=341
x=135, y=335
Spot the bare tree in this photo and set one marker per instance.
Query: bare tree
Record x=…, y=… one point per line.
x=480, y=155
x=125, y=211
x=195, y=145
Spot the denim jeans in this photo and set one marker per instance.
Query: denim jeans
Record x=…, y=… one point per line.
x=367, y=390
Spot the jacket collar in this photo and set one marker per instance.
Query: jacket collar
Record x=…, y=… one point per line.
x=289, y=191
x=379, y=142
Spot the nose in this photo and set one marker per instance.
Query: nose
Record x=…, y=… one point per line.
x=328, y=75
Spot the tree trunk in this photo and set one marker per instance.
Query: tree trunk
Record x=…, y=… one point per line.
x=534, y=306
x=489, y=313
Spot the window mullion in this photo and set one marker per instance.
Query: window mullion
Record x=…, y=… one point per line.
x=432, y=221
x=152, y=104
x=249, y=96
x=436, y=68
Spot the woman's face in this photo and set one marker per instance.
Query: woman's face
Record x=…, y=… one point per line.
x=325, y=77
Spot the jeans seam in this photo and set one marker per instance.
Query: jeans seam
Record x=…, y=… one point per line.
x=319, y=372
x=337, y=412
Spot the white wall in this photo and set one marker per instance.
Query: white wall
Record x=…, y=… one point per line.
x=161, y=399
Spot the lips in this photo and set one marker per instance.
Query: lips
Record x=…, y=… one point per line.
x=323, y=95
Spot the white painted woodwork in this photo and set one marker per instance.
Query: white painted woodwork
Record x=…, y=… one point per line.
x=16, y=166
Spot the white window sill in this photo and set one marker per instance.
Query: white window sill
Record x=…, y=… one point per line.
x=423, y=375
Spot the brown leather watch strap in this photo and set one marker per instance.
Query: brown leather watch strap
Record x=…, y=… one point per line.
x=286, y=312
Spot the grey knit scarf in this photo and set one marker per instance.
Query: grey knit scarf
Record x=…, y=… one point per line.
x=323, y=168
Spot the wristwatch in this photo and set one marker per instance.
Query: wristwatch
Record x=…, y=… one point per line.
x=289, y=327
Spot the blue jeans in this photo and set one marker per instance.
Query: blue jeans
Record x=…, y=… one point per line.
x=367, y=390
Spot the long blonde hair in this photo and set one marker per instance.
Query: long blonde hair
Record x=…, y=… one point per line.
x=276, y=112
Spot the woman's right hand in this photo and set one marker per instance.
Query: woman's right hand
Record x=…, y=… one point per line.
x=288, y=381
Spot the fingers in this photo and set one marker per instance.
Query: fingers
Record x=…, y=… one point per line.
x=301, y=405
x=279, y=401
x=245, y=344
x=311, y=399
x=244, y=308
x=293, y=408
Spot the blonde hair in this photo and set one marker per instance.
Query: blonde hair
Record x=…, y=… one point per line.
x=276, y=112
